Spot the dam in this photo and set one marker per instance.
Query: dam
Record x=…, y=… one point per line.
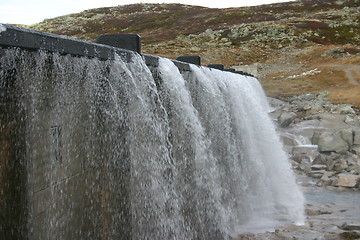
x=99, y=142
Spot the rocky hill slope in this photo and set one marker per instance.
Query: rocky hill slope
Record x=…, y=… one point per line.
x=305, y=46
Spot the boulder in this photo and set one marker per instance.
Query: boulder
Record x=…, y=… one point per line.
x=344, y=109
x=350, y=226
x=347, y=180
x=286, y=118
x=327, y=178
x=347, y=136
x=332, y=142
x=356, y=132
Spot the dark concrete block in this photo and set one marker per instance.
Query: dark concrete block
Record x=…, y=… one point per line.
x=244, y=73
x=216, y=66
x=190, y=59
x=11, y=36
x=229, y=70
x=125, y=41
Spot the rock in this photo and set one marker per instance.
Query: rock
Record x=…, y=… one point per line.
x=326, y=178
x=330, y=163
x=315, y=138
x=350, y=226
x=316, y=174
x=353, y=121
x=356, y=150
x=305, y=150
x=344, y=109
x=319, y=159
x=332, y=142
x=286, y=118
x=341, y=166
x=355, y=170
x=356, y=132
x=318, y=167
x=347, y=136
x=350, y=235
x=347, y=180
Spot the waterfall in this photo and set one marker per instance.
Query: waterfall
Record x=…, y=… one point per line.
x=112, y=150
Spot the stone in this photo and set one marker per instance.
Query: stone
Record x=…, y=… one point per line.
x=304, y=150
x=319, y=159
x=356, y=170
x=356, y=150
x=332, y=142
x=356, y=132
x=344, y=109
x=330, y=163
x=350, y=226
x=286, y=118
x=326, y=178
x=341, y=166
x=347, y=136
x=315, y=138
x=318, y=167
x=347, y=180
x=316, y=174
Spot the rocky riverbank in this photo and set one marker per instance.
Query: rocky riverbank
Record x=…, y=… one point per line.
x=322, y=140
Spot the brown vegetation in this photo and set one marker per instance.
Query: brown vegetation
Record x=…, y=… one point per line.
x=300, y=46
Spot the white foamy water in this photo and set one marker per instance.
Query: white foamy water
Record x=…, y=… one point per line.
x=113, y=152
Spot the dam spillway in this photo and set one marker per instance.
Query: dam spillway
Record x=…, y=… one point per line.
x=103, y=143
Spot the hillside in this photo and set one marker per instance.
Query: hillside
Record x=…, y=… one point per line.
x=307, y=46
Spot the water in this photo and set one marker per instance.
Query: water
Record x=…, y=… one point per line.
x=112, y=152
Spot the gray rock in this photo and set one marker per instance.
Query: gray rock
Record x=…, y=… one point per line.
x=330, y=163
x=318, y=167
x=347, y=136
x=356, y=132
x=316, y=173
x=319, y=159
x=344, y=109
x=332, y=142
x=356, y=149
x=347, y=180
x=350, y=226
x=286, y=118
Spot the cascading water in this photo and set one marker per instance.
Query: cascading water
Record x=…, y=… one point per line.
x=112, y=152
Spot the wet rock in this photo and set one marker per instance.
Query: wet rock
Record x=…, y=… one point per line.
x=350, y=226
x=347, y=180
x=286, y=118
x=306, y=153
x=318, y=167
x=316, y=173
x=326, y=179
x=332, y=142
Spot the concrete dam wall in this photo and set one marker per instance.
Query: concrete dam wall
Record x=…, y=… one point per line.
x=98, y=142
